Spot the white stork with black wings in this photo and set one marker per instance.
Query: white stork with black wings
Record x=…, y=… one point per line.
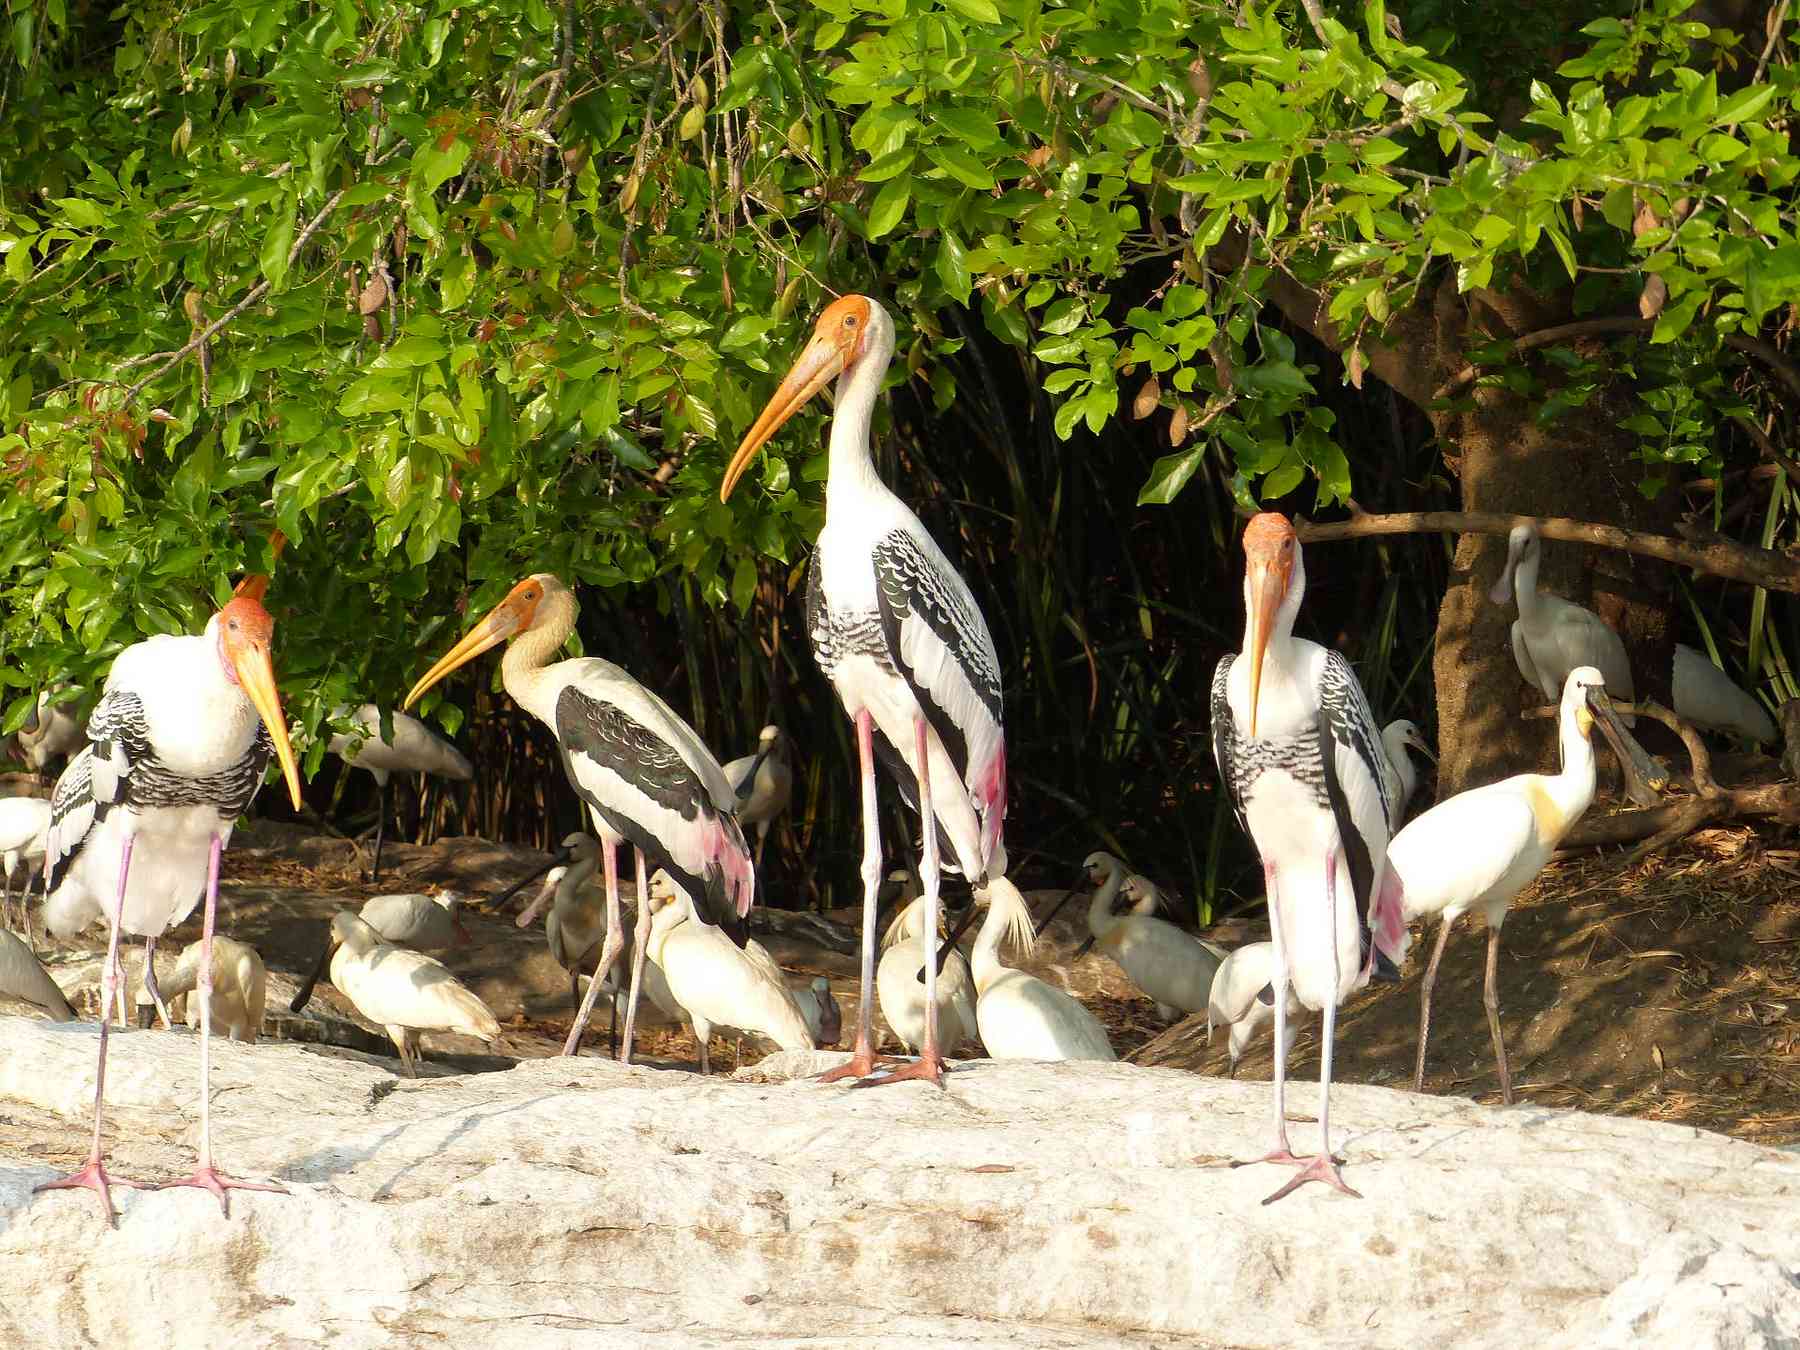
x=1303, y=759
x=896, y=630
x=647, y=778
x=138, y=820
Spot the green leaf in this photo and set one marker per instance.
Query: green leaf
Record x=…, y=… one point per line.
x=889, y=206
x=960, y=165
x=1065, y=316
x=82, y=213
x=982, y=11
x=1169, y=475
x=1744, y=104
x=276, y=244
x=953, y=267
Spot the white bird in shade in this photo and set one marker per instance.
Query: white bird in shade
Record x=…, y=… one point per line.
x=1399, y=738
x=1302, y=757
x=240, y=988
x=50, y=732
x=902, y=994
x=140, y=818
x=22, y=976
x=719, y=983
x=403, y=992
x=412, y=748
x=1479, y=849
x=897, y=632
x=646, y=777
x=1243, y=998
x=765, y=785
x=1553, y=636
x=1174, y=967
x=24, y=823
x=1019, y=1015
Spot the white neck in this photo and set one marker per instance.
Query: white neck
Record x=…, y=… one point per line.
x=524, y=669
x=1100, y=908
x=852, y=465
x=1525, y=578
x=576, y=875
x=984, y=960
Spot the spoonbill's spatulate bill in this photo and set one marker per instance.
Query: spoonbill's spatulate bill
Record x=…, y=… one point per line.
x=765, y=784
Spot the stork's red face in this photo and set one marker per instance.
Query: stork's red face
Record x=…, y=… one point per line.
x=836, y=345
x=1269, y=549
x=512, y=615
x=246, y=637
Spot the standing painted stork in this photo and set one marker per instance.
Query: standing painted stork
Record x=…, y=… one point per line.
x=647, y=778
x=415, y=748
x=1553, y=636
x=1303, y=759
x=897, y=632
x=138, y=820
x=765, y=784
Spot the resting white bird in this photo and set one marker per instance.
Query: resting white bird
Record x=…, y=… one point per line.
x=718, y=983
x=1019, y=1015
x=902, y=994
x=415, y=748
x=22, y=976
x=50, y=733
x=1553, y=636
x=404, y=992
x=1480, y=848
x=426, y=923
x=824, y=1019
x=1397, y=738
x=240, y=988
x=1172, y=966
x=23, y=823
x=764, y=783
x=1243, y=997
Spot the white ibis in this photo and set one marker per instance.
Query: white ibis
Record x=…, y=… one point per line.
x=719, y=983
x=1479, y=849
x=765, y=784
x=1172, y=966
x=415, y=748
x=1553, y=636
x=24, y=822
x=403, y=992
x=902, y=995
x=50, y=732
x=180, y=739
x=896, y=630
x=647, y=778
x=240, y=987
x=1019, y=1015
x=22, y=976
x=1398, y=739
x=1243, y=998
x=1303, y=759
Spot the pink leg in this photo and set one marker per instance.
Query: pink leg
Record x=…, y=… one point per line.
x=609, y=952
x=640, y=953
x=863, y=1058
x=1282, y=1152
x=94, y=1176
x=205, y=1176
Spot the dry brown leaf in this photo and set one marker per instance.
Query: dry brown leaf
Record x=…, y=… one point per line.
x=1652, y=298
x=1178, y=425
x=1645, y=220
x=374, y=295
x=1149, y=398
x=1357, y=364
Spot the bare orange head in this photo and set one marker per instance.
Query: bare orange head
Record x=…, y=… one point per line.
x=1270, y=550
x=246, y=649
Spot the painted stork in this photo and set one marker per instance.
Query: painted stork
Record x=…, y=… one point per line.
x=1243, y=998
x=765, y=784
x=1172, y=966
x=1398, y=739
x=1553, y=636
x=896, y=630
x=1303, y=759
x=1479, y=849
x=240, y=987
x=24, y=824
x=179, y=741
x=647, y=778
x=902, y=996
x=1019, y=1015
x=415, y=748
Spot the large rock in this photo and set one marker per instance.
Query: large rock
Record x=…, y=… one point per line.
x=1060, y=1205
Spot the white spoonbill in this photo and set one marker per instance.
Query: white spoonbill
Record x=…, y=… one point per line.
x=1169, y=964
x=646, y=777
x=824, y=1019
x=24, y=822
x=138, y=820
x=897, y=632
x=240, y=987
x=49, y=733
x=403, y=992
x=1553, y=636
x=1303, y=759
x=1243, y=998
x=1019, y=1015
x=1398, y=738
x=1480, y=848
x=414, y=748
x=764, y=782
x=425, y=923
x=903, y=996
x=22, y=976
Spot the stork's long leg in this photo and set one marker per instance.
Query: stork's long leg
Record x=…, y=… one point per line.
x=609, y=950
x=380, y=828
x=1431, y=969
x=94, y=1176
x=640, y=953
x=162, y=1008
x=1282, y=1152
x=205, y=1176
x=1491, y=997
x=863, y=1058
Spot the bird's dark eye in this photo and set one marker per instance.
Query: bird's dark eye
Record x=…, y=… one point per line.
x=849, y=320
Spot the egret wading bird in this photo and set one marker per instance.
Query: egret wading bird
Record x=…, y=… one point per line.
x=1243, y=998
x=903, y=996
x=647, y=778
x=24, y=823
x=138, y=820
x=415, y=748
x=1172, y=966
x=425, y=923
x=1480, y=848
x=1304, y=762
x=765, y=784
x=1553, y=636
x=1397, y=738
x=240, y=987
x=896, y=630
x=22, y=976
x=1019, y=1015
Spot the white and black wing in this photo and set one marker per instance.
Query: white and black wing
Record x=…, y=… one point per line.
x=1360, y=782
x=1225, y=741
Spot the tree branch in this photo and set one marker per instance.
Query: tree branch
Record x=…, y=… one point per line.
x=1716, y=557
x=1779, y=801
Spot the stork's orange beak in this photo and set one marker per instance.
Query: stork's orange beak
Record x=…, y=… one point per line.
x=255, y=669
x=1268, y=588
x=508, y=617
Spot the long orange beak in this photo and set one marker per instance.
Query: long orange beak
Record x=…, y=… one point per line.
x=822, y=361
x=501, y=623
x=256, y=677
x=1268, y=588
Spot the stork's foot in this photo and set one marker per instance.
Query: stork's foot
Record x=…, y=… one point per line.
x=861, y=1064
x=931, y=1069
x=206, y=1178
x=94, y=1177
x=1323, y=1168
